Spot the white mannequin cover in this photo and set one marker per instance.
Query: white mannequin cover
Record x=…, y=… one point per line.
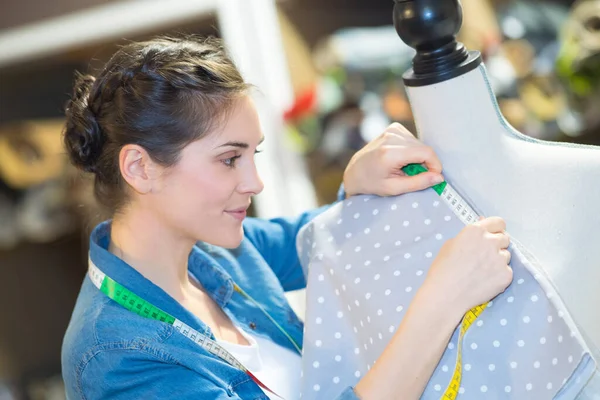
x=547, y=192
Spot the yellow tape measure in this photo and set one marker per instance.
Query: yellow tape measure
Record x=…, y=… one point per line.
x=468, y=216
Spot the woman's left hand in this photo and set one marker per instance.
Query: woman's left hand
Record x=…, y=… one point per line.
x=376, y=168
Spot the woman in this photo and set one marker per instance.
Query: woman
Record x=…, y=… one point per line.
x=170, y=133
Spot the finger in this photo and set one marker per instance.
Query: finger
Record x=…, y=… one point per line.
x=399, y=129
x=396, y=157
x=406, y=184
x=493, y=224
x=506, y=254
x=503, y=240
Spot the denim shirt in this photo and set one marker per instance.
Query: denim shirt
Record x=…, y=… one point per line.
x=111, y=353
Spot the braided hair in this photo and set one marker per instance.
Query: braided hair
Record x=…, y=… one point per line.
x=161, y=94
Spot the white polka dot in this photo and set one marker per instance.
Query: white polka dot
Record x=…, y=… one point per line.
x=357, y=216
x=507, y=389
x=357, y=249
x=338, y=253
x=570, y=359
x=316, y=364
x=338, y=358
x=357, y=302
x=318, y=343
x=394, y=206
x=491, y=367
x=503, y=322
x=419, y=273
x=330, y=271
x=398, y=243
x=450, y=346
x=437, y=388
x=368, y=295
x=445, y=368
x=520, y=343
x=549, y=386
x=483, y=389
x=554, y=361
x=379, y=312
x=348, y=267
x=349, y=308
x=376, y=277
x=439, y=236
x=510, y=299
x=474, y=346
x=534, y=298
x=479, y=323
x=447, y=218
x=467, y=367
x=397, y=273
x=417, y=238
x=367, y=231
x=348, y=235
x=375, y=211
x=392, y=328
x=367, y=263
x=330, y=239
x=405, y=223
x=536, y=364
x=520, y=281
x=561, y=314
x=355, y=330
x=386, y=228
x=529, y=386
x=386, y=258
x=356, y=350
x=380, y=336
x=357, y=280
x=338, y=335
x=399, y=308
x=408, y=289
x=513, y=364
x=316, y=388
x=321, y=300
x=427, y=221
x=321, y=277
x=526, y=319
x=318, y=320
x=407, y=256
x=490, y=303
x=572, y=334
x=337, y=292
x=377, y=245
x=436, y=203
x=542, y=340
x=357, y=374
x=461, y=390
x=496, y=343
x=415, y=205
x=428, y=254
x=388, y=292
x=560, y=338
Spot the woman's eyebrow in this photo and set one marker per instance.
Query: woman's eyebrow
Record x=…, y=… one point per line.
x=242, y=145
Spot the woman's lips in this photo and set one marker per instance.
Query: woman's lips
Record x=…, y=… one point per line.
x=238, y=214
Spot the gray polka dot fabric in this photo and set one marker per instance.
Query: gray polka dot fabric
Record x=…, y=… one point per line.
x=366, y=258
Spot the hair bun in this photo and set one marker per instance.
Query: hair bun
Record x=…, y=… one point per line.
x=83, y=137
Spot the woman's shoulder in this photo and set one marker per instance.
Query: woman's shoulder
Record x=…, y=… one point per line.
x=99, y=324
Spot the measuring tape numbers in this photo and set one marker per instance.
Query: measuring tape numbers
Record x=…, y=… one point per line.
x=468, y=216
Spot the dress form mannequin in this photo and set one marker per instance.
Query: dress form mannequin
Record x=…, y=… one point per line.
x=545, y=191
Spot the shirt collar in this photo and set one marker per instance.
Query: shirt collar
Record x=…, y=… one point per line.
x=215, y=280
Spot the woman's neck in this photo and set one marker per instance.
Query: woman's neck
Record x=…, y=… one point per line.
x=153, y=249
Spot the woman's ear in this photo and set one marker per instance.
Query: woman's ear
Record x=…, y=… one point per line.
x=137, y=168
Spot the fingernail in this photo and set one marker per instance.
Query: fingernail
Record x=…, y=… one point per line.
x=437, y=179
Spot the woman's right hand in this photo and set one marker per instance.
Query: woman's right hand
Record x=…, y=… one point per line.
x=472, y=268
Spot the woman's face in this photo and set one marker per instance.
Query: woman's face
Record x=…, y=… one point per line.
x=206, y=194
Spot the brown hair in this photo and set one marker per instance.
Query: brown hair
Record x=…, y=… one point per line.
x=161, y=94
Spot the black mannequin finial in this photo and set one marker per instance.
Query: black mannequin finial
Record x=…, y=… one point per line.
x=430, y=27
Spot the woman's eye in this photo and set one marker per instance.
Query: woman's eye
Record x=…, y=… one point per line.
x=230, y=162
